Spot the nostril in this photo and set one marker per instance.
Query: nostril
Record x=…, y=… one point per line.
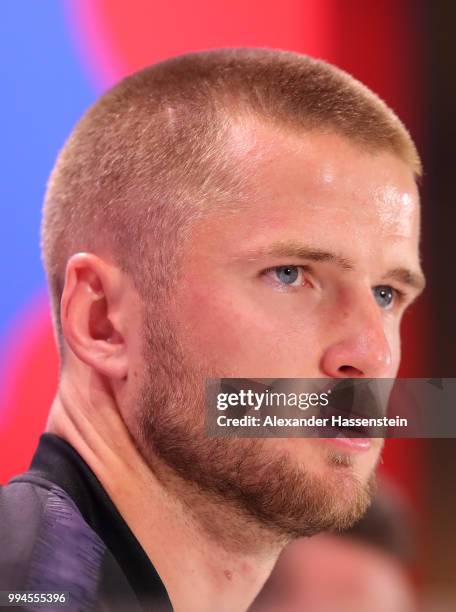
x=350, y=371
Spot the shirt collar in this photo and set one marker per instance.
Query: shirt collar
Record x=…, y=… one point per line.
x=56, y=461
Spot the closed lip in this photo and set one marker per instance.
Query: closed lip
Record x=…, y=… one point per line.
x=348, y=444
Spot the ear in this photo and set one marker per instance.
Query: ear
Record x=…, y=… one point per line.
x=94, y=311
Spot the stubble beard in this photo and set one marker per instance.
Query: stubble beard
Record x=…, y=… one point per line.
x=255, y=484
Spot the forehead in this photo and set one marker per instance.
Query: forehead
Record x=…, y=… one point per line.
x=317, y=186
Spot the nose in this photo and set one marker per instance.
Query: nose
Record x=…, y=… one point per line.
x=359, y=347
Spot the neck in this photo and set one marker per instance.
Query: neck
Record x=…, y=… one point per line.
x=194, y=544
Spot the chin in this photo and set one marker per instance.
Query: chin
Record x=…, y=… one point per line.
x=323, y=453
x=313, y=488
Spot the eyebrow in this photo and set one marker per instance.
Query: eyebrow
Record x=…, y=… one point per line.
x=415, y=280
x=294, y=249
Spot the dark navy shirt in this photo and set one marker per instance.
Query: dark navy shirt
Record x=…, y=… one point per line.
x=59, y=531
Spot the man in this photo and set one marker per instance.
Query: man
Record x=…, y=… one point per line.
x=361, y=569
x=234, y=213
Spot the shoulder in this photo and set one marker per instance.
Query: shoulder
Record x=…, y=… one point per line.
x=22, y=506
x=44, y=540
x=46, y=545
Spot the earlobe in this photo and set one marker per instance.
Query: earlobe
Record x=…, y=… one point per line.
x=91, y=314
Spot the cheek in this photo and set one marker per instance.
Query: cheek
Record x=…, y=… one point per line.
x=394, y=341
x=396, y=357
x=244, y=337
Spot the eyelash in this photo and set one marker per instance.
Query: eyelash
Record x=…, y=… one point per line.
x=303, y=269
x=399, y=296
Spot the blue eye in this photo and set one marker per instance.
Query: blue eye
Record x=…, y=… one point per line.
x=287, y=274
x=384, y=295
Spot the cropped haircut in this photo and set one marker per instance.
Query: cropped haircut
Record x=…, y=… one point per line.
x=150, y=155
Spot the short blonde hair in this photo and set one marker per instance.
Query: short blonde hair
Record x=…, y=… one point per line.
x=136, y=168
